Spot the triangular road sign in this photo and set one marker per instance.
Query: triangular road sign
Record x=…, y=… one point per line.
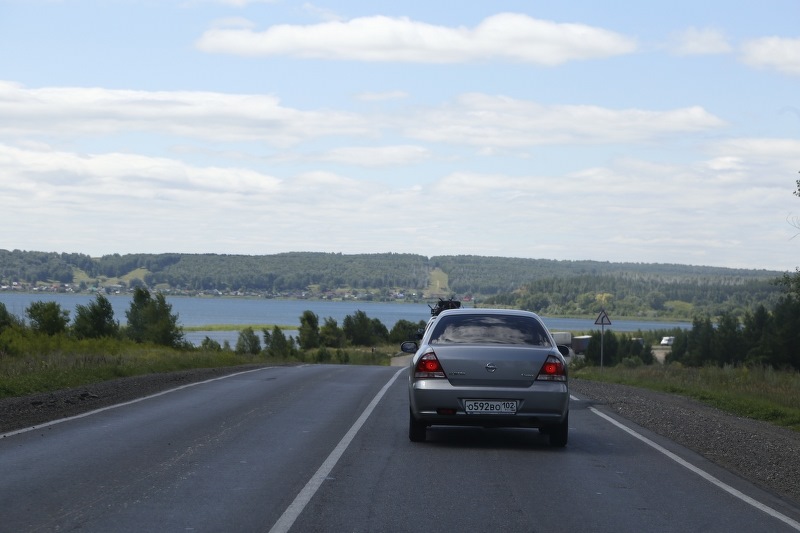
x=602, y=319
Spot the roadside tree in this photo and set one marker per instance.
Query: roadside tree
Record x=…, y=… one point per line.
x=210, y=345
x=95, y=320
x=277, y=345
x=248, y=342
x=47, y=317
x=782, y=344
x=7, y=319
x=331, y=335
x=727, y=344
x=610, y=348
x=360, y=330
x=405, y=330
x=756, y=333
x=308, y=336
x=151, y=320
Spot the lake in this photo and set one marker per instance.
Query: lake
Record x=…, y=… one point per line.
x=209, y=310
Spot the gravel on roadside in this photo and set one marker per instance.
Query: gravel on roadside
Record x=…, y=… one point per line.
x=764, y=454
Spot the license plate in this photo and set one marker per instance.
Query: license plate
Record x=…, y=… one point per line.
x=500, y=407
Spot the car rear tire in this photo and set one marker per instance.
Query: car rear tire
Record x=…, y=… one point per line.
x=559, y=435
x=416, y=430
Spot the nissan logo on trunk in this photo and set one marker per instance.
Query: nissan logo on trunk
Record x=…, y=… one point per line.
x=490, y=367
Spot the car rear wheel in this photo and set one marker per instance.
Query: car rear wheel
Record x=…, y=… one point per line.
x=560, y=434
x=416, y=430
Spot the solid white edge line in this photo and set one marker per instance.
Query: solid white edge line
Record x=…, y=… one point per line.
x=291, y=513
x=137, y=400
x=702, y=473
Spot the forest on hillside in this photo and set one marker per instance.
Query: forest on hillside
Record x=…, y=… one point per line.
x=547, y=286
x=212, y=272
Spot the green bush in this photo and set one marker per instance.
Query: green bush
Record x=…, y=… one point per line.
x=322, y=355
x=631, y=362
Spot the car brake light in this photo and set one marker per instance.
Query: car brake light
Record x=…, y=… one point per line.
x=553, y=370
x=428, y=367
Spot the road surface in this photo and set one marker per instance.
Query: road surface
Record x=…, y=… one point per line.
x=325, y=448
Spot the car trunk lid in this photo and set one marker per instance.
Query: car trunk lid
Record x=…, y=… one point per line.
x=480, y=365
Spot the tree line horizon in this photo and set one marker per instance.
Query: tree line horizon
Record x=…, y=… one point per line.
x=550, y=287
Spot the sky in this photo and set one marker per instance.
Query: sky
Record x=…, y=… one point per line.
x=619, y=131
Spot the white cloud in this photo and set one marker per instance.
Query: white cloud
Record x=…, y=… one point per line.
x=771, y=148
x=484, y=120
x=320, y=13
x=545, y=216
x=105, y=202
x=475, y=119
x=647, y=212
x=506, y=36
x=382, y=97
x=700, y=41
x=71, y=112
x=118, y=174
x=780, y=155
x=643, y=210
x=380, y=156
x=781, y=54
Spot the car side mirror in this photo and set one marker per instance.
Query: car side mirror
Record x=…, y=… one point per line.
x=409, y=347
x=564, y=350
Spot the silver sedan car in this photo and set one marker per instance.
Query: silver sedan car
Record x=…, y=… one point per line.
x=490, y=368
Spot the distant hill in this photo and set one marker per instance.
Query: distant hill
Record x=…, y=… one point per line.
x=566, y=287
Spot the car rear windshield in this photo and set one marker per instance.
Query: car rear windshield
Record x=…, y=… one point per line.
x=489, y=329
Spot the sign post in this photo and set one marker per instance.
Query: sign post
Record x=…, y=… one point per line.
x=602, y=321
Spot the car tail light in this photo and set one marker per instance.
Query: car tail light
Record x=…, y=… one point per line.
x=553, y=370
x=428, y=367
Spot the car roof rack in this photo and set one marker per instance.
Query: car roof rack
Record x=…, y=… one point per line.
x=443, y=305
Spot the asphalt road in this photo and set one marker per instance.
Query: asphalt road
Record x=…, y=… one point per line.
x=325, y=448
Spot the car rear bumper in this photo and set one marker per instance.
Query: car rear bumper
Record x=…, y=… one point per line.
x=437, y=402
